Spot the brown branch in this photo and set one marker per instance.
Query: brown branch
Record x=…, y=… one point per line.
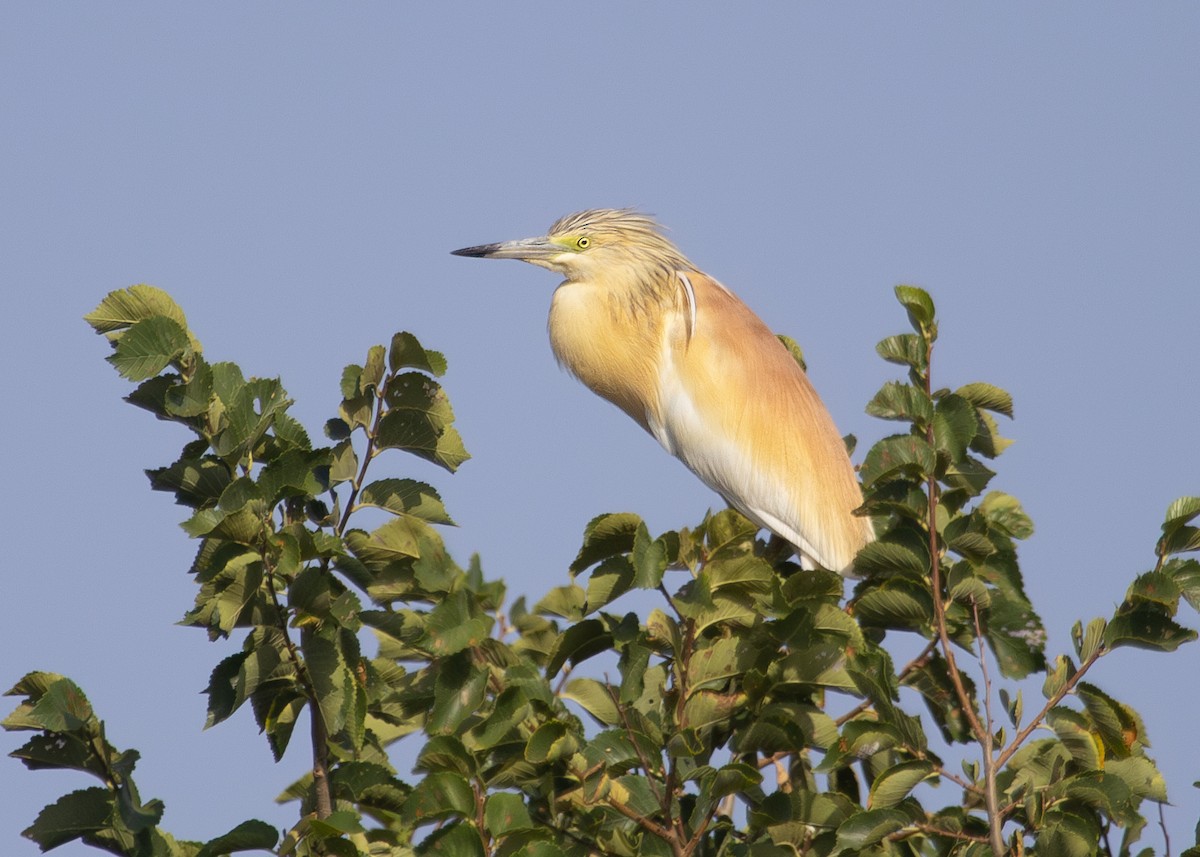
x=322, y=791
x=648, y=824
x=1058, y=697
x=995, y=819
x=932, y=830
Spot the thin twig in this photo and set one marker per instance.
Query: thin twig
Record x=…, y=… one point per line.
x=1058, y=697
x=995, y=819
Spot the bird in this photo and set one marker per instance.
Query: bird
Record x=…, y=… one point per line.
x=643, y=327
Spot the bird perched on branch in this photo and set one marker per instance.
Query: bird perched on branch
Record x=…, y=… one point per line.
x=643, y=327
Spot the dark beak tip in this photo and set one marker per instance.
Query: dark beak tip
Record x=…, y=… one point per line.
x=474, y=252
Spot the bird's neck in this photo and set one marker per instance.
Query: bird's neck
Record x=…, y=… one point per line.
x=609, y=335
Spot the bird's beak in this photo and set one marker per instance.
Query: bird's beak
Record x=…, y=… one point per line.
x=539, y=251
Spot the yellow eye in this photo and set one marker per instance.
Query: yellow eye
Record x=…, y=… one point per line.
x=583, y=242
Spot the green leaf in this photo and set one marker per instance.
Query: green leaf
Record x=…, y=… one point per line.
x=565, y=601
x=1061, y=670
x=1116, y=725
x=330, y=677
x=867, y=828
x=903, y=455
x=1180, y=512
x=734, y=778
x=125, y=307
x=50, y=751
x=1088, y=642
x=988, y=397
x=459, y=690
x=794, y=349
x=895, y=784
x=608, y=582
x=406, y=352
x=920, y=309
x=148, y=347
x=551, y=741
x=896, y=603
x=505, y=813
x=1016, y=635
x=595, y=698
x=1141, y=776
x=605, y=536
x=457, y=839
x=456, y=623
x=72, y=816
x=1004, y=513
x=250, y=835
x=1146, y=625
x=649, y=558
x=578, y=643
x=886, y=558
x=954, y=425
x=907, y=349
x=900, y=401
x=441, y=795
x=1186, y=574
x=406, y=497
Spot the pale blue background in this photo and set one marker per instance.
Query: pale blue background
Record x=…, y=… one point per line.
x=295, y=175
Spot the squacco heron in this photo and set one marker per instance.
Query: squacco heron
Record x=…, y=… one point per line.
x=643, y=327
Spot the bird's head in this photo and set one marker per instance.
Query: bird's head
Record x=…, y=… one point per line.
x=592, y=245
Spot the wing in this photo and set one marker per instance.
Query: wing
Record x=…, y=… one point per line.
x=735, y=407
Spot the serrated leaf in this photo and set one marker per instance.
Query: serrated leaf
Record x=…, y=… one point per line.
x=1146, y=625
x=1004, y=512
x=900, y=401
x=250, y=835
x=604, y=536
x=406, y=352
x=649, y=558
x=895, y=603
x=506, y=813
x=898, y=455
x=459, y=690
x=441, y=795
x=954, y=425
x=406, y=497
x=905, y=349
x=74, y=815
x=123, y=308
x=867, y=828
x=895, y=783
x=1181, y=512
x=330, y=677
x=457, y=623
x=148, y=347
x=987, y=396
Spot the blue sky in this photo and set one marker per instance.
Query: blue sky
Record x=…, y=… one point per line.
x=295, y=176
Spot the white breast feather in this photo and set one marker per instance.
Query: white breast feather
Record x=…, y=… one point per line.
x=721, y=462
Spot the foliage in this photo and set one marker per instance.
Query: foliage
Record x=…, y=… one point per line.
x=751, y=709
